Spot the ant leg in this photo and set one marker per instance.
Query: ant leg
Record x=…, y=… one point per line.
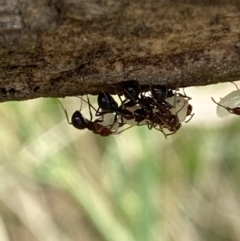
x=65, y=111
x=161, y=130
x=191, y=116
x=235, y=85
x=171, y=133
x=89, y=107
x=184, y=94
x=184, y=91
x=122, y=101
x=130, y=96
x=230, y=110
x=88, y=102
x=151, y=125
x=80, y=103
x=98, y=113
x=118, y=132
x=176, y=115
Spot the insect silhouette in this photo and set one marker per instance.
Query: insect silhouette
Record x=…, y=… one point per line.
x=80, y=122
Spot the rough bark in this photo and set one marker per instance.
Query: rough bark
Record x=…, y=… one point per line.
x=73, y=47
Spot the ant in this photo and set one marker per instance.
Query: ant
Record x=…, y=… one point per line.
x=156, y=109
x=235, y=111
x=133, y=94
x=169, y=120
x=79, y=122
x=108, y=105
x=125, y=111
x=230, y=97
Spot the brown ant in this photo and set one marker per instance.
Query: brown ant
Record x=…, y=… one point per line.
x=79, y=122
x=165, y=119
x=235, y=111
x=163, y=116
x=108, y=105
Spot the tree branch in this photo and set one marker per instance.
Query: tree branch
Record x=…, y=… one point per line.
x=65, y=47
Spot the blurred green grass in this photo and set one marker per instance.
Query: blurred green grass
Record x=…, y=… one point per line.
x=59, y=183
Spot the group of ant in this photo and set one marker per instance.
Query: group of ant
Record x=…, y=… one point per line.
x=160, y=108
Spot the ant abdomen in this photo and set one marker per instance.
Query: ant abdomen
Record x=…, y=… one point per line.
x=106, y=102
x=131, y=90
x=159, y=92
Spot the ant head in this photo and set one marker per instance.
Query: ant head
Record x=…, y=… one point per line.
x=159, y=92
x=131, y=90
x=106, y=102
x=78, y=120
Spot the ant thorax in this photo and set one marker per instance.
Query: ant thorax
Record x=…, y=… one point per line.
x=180, y=107
x=231, y=100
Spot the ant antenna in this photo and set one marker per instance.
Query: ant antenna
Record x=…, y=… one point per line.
x=118, y=132
x=89, y=106
x=65, y=111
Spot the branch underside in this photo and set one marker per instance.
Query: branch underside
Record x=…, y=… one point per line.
x=69, y=48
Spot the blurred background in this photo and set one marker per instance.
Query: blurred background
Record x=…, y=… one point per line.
x=58, y=183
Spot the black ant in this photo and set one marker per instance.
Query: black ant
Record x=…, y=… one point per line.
x=131, y=90
x=109, y=105
x=79, y=122
x=162, y=115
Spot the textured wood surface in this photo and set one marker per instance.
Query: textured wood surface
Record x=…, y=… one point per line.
x=73, y=47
